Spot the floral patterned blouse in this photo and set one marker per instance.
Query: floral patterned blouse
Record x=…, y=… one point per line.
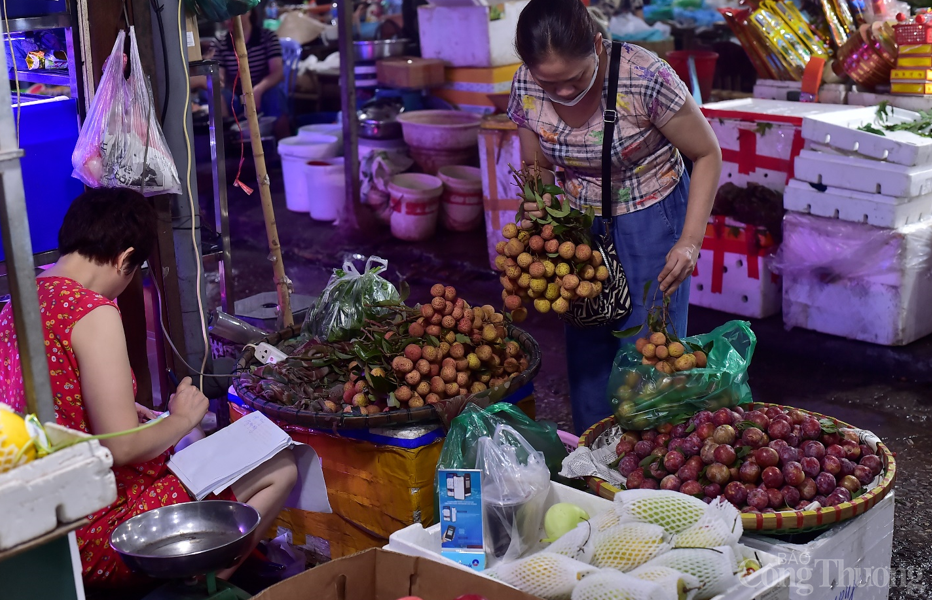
x=646, y=166
x=140, y=487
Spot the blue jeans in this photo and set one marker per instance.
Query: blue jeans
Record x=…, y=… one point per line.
x=643, y=239
x=274, y=102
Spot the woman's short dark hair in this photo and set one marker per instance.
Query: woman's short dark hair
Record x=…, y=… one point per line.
x=101, y=224
x=547, y=27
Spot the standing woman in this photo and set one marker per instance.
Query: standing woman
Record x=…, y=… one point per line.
x=558, y=100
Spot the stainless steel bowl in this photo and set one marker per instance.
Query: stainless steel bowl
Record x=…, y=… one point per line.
x=184, y=540
x=378, y=49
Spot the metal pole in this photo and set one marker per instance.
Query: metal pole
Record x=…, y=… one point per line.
x=282, y=283
x=350, y=141
x=21, y=270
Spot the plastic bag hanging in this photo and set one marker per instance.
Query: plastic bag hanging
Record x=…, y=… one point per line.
x=121, y=143
x=515, y=482
x=220, y=10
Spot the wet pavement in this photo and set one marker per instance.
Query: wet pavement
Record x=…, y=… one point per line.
x=886, y=390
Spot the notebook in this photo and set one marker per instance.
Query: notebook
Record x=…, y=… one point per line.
x=213, y=464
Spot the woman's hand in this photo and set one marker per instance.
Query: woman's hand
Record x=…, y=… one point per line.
x=681, y=261
x=529, y=209
x=145, y=414
x=188, y=403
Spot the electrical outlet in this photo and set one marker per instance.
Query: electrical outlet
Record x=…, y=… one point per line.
x=269, y=355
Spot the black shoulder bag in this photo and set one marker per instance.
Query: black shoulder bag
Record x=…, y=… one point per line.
x=614, y=303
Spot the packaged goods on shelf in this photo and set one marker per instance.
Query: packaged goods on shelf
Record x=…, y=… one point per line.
x=857, y=281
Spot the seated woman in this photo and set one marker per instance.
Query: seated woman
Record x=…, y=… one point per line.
x=106, y=235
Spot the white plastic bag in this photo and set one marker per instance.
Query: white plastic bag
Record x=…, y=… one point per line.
x=121, y=143
x=513, y=492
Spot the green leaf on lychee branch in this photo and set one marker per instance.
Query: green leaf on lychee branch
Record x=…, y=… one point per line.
x=647, y=290
x=694, y=347
x=828, y=426
x=404, y=291
x=629, y=332
x=433, y=341
x=379, y=385
x=691, y=428
x=462, y=339
x=707, y=349
x=648, y=460
x=614, y=463
x=741, y=426
x=744, y=451
x=553, y=254
x=392, y=401
x=553, y=190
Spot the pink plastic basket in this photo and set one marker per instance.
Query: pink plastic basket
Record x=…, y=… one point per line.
x=570, y=441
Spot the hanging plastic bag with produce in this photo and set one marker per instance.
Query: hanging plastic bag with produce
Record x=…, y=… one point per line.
x=220, y=10
x=121, y=143
x=515, y=482
x=663, y=379
x=348, y=300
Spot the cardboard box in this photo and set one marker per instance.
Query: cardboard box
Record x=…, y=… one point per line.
x=469, y=88
x=470, y=36
x=849, y=561
x=192, y=38
x=383, y=575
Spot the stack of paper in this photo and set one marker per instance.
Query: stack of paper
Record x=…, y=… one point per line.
x=215, y=463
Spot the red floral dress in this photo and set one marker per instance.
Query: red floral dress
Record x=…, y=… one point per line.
x=141, y=487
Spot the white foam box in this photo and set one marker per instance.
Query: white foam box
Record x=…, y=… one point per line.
x=863, y=174
x=857, y=281
x=760, y=138
x=771, y=89
x=849, y=561
x=499, y=148
x=735, y=282
x=840, y=130
x=60, y=488
x=470, y=36
x=768, y=583
x=875, y=209
x=914, y=103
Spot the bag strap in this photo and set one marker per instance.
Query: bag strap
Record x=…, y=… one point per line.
x=608, y=132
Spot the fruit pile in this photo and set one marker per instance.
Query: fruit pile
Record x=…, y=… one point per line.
x=669, y=356
x=550, y=262
x=645, y=545
x=456, y=349
x=404, y=357
x=764, y=460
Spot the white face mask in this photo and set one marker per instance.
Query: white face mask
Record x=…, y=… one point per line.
x=582, y=94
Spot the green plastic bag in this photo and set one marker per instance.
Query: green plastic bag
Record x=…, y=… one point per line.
x=462, y=441
x=348, y=300
x=642, y=397
x=220, y=10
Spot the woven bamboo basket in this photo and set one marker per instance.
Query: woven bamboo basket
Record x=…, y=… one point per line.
x=402, y=416
x=778, y=523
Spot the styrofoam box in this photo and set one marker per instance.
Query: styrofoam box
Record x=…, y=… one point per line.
x=773, y=126
x=741, y=295
x=771, y=89
x=863, y=175
x=850, y=561
x=466, y=36
x=840, y=130
x=858, y=207
x=857, y=281
x=769, y=583
x=60, y=488
x=914, y=103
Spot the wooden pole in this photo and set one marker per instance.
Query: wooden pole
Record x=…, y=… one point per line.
x=282, y=283
x=349, y=219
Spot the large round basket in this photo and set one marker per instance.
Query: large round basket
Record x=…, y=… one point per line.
x=784, y=522
x=402, y=416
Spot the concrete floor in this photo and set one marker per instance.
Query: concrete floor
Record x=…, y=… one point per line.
x=886, y=390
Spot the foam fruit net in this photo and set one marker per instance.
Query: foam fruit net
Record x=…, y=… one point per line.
x=612, y=585
x=713, y=567
x=672, y=582
x=629, y=545
x=547, y=575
